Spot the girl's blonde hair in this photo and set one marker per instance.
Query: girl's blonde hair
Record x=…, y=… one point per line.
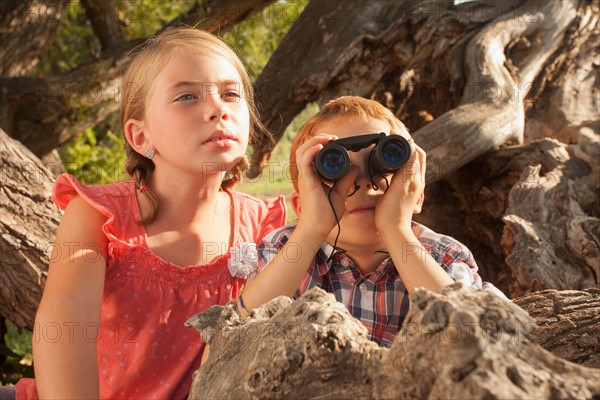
x=149, y=59
x=346, y=106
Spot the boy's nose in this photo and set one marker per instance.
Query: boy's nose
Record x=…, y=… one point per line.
x=363, y=179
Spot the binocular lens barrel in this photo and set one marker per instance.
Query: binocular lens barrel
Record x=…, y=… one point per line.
x=391, y=152
x=333, y=162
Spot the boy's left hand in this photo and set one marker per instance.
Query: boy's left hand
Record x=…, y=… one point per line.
x=396, y=207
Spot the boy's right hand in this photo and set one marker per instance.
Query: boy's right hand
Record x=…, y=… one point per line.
x=315, y=208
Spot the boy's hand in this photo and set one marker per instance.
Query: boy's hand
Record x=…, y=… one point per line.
x=316, y=210
x=395, y=208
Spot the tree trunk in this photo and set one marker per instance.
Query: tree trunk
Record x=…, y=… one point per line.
x=28, y=225
x=44, y=113
x=104, y=17
x=568, y=323
x=26, y=27
x=458, y=343
x=530, y=214
x=458, y=76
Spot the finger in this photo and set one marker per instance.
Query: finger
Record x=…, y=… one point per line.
x=312, y=147
x=317, y=139
x=345, y=184
x=422, y=159
x=412, y=166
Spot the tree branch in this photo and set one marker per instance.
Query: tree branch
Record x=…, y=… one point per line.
x=27, y=25
x=104, y=17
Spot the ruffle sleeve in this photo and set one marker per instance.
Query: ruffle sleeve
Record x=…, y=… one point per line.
x=275, y=218
x=26, y=389
x=116, y=201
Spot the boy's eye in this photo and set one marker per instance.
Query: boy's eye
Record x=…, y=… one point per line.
x=185, y=97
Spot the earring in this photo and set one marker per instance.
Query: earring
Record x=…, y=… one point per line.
x=150, y=153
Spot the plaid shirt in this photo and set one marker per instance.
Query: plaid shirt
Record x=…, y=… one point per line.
x=378, y=299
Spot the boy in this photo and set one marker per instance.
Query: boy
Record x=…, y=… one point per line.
x=381, y=255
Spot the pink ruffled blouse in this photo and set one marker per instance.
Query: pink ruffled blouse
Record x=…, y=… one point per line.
x=144, y=348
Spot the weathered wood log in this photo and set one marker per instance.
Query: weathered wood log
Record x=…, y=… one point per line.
x=28, y=224
x=550, y=239
x=552, y=233
x=568, y=323
x=458, y=343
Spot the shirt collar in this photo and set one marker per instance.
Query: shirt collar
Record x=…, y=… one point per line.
x=322, y=267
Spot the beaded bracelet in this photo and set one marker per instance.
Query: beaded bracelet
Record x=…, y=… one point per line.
x=241, y=301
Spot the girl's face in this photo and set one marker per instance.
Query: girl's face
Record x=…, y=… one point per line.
x=196, y=116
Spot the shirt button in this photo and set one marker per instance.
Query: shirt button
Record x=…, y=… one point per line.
x=362, y=287
x=345, y=262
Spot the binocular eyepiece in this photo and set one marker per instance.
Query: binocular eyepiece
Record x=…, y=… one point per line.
x=389, y=154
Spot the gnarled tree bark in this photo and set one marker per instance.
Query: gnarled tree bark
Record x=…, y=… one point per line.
x=458, y=343
x=568, y=323
x=465, y=68
x=28, y=225
x=530, y=214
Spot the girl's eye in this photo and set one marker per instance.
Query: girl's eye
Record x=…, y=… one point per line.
x=231, y=95
x=186, y=97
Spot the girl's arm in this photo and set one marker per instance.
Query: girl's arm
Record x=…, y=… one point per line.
x=66, y=365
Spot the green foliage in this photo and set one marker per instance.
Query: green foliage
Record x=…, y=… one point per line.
x=257, y=37
x=143, y=18
x=16, y=348
x=95, y=161
x=74, y=44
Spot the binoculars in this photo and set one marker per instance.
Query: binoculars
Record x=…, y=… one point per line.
x=389, y=154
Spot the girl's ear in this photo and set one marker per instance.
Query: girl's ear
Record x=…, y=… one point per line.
x=296, y=203
x=419, y=205
x=136, y=135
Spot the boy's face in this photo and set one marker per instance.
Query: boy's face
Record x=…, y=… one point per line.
x=358, y=223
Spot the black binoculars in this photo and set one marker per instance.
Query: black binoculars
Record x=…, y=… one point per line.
x=389, y=154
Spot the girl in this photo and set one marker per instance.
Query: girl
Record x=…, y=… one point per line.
x=134, y=260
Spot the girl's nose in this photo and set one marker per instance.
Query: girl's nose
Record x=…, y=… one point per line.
x=215, y=108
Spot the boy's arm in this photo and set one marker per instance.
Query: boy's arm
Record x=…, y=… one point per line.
x=285, y=268
x=66, y=365
x=416, y=266
x=284, y=273
x=393, y=219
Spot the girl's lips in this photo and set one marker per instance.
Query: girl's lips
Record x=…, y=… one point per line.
x=220, y=139
x=220, y=143
x=220, y=135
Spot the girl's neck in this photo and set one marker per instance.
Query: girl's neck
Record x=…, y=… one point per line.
x=187, y=198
